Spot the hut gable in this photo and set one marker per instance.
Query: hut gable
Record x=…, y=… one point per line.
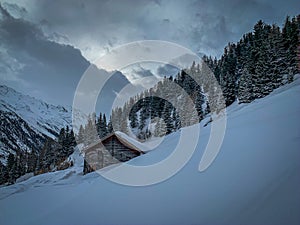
x=114, y=148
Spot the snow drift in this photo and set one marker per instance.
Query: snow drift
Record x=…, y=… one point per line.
x=254, y=179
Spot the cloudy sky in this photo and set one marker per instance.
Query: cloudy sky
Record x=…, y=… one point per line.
x=47, y=45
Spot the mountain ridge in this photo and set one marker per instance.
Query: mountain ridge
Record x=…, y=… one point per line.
x=26, y=122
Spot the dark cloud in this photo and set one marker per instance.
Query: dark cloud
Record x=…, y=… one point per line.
x=201, y=25
x=15, y=10
x=35, y=65
x=167, y=70
x=142, y=72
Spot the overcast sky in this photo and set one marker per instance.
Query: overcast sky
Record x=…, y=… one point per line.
x=48, y=44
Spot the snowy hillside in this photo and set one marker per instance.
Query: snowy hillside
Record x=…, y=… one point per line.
x=45, y=118
x=16, y=135
x=26, y=121
x=254, y=179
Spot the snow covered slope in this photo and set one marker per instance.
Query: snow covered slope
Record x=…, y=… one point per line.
x=45, y=118
x=254, y=179
x=26, y=121
x=16, y=135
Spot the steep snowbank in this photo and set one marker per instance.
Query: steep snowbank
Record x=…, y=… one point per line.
x=254, y=179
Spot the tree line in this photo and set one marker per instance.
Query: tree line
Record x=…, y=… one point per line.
x=95, y=128
x=51, y=157
x=258, y=63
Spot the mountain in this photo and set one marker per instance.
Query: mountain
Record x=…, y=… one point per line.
x=114, y=85
x=253, y=180
x=42, y=117
x=17, y=135
x=27, y=121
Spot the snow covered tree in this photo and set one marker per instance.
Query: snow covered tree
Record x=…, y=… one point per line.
x=167, y=116
x=227, y=74
x=277, y=64
x=80, y=136
x=90, y=132
x=133, y=119
x=101, y=125
x=245, y=87
x=160, y=129
x=260, y=62
x=290, y=34
x=176, y=120
x=109, y=127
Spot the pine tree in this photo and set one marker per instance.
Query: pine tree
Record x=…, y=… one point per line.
x=133, y=119
x=104, y=126
x=278, y=66
x=207, y=108
x=71, y=142
x=290, y=34
x=116, y=118
x=159, y=129
x=10, y=161
x=259, y=75
x=227, y=74
x=3, y=174
x=198, y=104
x=168, y=118
x=110, y=127
x=99, y=126
x=142, y=120
x=90, y=131
x=176, y=120
x=11, y=168
x=32, y=162
x=62, y=136
x=63, y=140
x=245, y=87
x=80, y=136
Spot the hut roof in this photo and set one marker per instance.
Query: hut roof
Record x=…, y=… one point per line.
x=124, y=139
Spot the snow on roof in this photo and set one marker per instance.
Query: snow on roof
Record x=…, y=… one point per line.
x=146, y=146
x=129, y=142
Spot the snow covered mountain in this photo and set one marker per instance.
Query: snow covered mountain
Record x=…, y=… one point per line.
x=254, y=179
x=17, y=135
x=27, y=121
x=41, y=116
x=114, y=85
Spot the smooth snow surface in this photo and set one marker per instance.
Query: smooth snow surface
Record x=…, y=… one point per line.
x=255, y=179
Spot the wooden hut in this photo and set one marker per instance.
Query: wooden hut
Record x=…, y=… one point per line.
x=114, y=148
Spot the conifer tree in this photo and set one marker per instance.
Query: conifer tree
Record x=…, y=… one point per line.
x=11, y=168
x=110, y=127
x=245, y=87
x=176, y=120
x=3, y=174
x=80, y=136
x=167, y=116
